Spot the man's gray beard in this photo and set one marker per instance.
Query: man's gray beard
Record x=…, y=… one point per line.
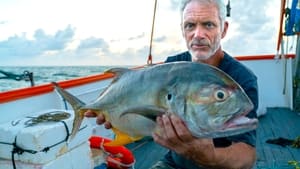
x=209, y=54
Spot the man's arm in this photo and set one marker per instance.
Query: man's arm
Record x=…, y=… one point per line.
x=175, y=136
x=238, y=155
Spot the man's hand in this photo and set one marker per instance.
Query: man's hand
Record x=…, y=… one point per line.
x=175, y=136
x=100, y=118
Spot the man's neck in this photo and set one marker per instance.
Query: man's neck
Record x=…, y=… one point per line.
x=215, y=59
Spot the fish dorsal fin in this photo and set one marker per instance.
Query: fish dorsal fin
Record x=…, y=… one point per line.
x=119, y=71
x=121, y=138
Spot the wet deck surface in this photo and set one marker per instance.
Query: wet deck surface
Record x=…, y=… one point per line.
x=278, y=122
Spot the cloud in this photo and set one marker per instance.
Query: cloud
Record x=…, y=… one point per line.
x=3, y=22
x=175, y=4
x=54, y=49
x=139, y=55
x=53, y=42
x=137, y=37
x=43, y=49
x=251, y=28
x=251, y=31
x=92, y=43
x=160, y=39
x=19, y=46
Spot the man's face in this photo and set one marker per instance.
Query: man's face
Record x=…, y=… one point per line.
x=201, y=29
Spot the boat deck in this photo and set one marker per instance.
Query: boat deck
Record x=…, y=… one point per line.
x=278, y=122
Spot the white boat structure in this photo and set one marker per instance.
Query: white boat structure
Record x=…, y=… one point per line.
x=24, y=145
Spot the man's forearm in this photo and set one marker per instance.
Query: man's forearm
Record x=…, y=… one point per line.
x=236, y=156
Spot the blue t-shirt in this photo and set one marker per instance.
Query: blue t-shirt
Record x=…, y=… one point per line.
x=248, y=81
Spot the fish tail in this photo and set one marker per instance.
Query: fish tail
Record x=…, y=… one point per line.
x=76, y=105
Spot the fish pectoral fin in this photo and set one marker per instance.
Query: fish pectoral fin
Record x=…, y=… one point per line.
x=121, y=139
x=150, y=112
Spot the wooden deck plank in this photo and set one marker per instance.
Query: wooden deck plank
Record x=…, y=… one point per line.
x=278, y=130
x=262, y=151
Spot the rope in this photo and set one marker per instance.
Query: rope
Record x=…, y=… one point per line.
x=280, y=32
x=149, y=62
x=18, y=150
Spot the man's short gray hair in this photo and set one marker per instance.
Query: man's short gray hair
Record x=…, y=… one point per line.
x=219, y=3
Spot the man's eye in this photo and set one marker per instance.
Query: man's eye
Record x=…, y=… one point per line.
x=209, y=25
x=189, y=26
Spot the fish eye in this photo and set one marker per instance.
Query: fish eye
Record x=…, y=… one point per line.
x=220, y=95
x=169, y=96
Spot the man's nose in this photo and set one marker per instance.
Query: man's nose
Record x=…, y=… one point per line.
x=199, y=32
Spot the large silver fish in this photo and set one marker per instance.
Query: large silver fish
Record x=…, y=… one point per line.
x=209, y=101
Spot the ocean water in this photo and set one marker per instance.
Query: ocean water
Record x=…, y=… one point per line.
x=46, y=74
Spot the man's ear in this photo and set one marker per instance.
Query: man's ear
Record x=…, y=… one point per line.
x=225, y=29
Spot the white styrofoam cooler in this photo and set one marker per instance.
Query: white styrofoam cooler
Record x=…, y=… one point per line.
x=78, y=158
x=39, y=137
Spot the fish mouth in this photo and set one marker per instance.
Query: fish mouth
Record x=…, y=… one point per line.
x=239, y=120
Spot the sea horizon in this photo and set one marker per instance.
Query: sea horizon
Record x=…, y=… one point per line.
x=45, y=74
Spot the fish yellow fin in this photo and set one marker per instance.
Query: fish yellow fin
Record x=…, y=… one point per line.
x=121, y=139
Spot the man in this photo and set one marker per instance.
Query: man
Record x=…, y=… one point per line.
x=203, y=27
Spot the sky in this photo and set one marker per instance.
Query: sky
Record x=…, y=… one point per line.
x=117, y=32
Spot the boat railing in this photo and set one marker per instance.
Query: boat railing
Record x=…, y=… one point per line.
x=26, y=75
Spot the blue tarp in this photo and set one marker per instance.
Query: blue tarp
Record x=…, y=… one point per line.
x=293, y=19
